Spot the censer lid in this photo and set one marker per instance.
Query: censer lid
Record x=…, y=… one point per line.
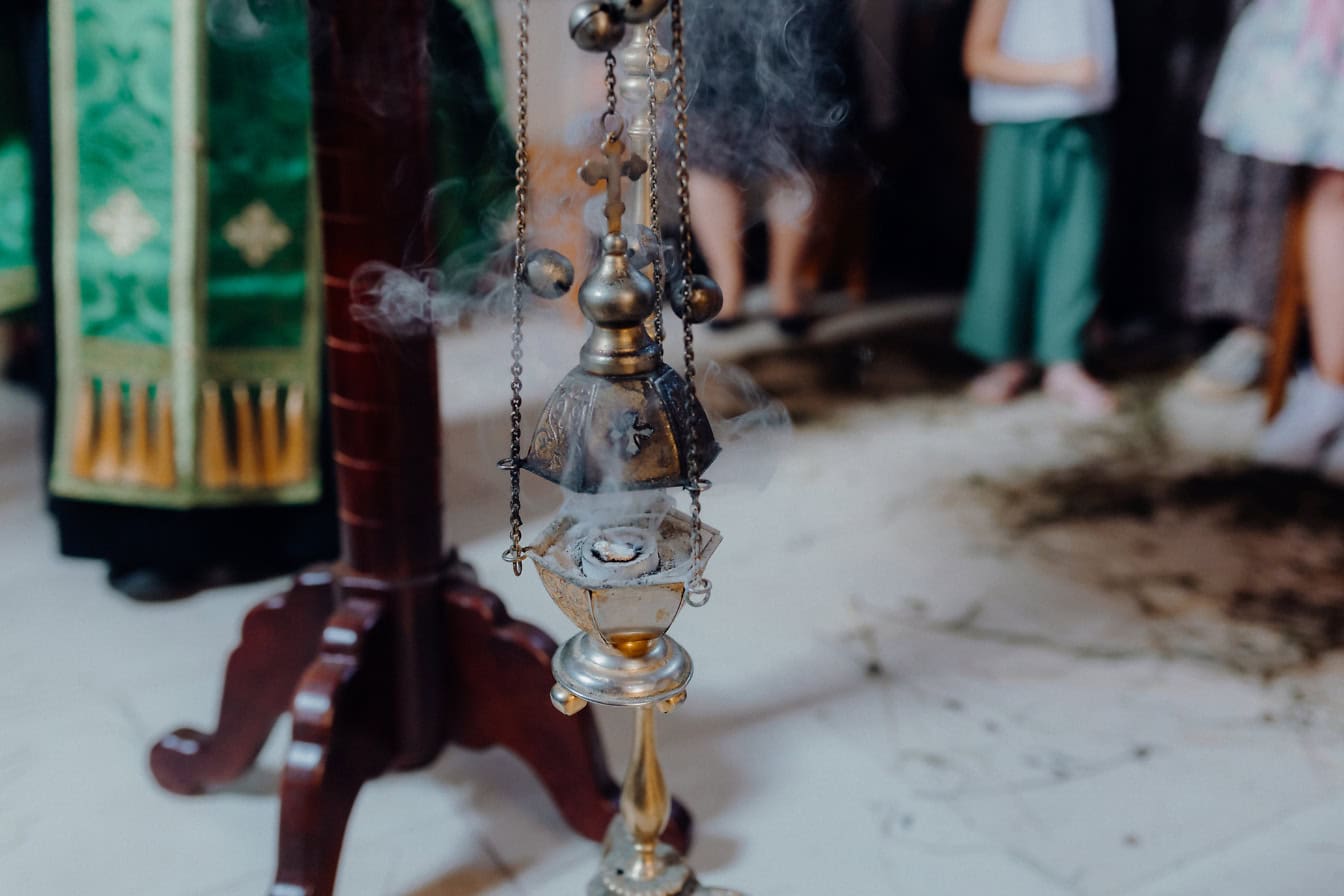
x=608, y=434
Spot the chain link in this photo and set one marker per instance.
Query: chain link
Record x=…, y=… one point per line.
x=655, y=224
x=514, y=464
x=698, y=588
x=610, y=111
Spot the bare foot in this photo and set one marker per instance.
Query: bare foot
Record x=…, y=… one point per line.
x=1072, y=385
x=1001, y=383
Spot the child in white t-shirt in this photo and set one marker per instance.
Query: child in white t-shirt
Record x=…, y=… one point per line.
x=1043, y=74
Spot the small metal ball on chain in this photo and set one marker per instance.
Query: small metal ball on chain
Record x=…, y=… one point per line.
x=550, y=275
x=596, y=27
x=698, y=303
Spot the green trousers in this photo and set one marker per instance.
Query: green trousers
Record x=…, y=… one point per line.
x=1042, y=212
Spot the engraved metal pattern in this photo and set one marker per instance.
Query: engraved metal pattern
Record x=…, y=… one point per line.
x=571, y=446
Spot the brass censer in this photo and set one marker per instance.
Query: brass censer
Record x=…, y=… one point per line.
x=621, y=432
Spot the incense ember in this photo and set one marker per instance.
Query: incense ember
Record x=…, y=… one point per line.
x=622, y=553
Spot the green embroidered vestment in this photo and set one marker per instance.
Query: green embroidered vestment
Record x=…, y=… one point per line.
x=186, y=257
x=18, y=277
x=187, y=251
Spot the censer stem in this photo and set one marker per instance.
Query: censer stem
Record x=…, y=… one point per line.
x=645, y=803
x=636, y=90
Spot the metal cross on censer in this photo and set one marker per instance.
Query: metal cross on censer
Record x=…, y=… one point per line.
x=620, y=431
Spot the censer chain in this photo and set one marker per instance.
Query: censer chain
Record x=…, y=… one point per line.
x=514, y=464
x=698, y=588
x=655, y=225
x=610, y=111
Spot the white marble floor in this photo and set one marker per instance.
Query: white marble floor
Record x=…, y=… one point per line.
x=896, y=691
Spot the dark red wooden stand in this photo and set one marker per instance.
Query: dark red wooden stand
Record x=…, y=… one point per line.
x=411, y=655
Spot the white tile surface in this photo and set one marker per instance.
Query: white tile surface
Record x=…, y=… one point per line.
x=887, y=701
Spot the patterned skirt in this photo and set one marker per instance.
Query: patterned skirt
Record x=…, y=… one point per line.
x=1279, y=94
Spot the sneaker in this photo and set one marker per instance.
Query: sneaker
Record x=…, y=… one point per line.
x=1312, y=417
x=1235, y=364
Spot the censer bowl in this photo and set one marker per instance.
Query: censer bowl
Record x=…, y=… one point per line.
x=621, y=579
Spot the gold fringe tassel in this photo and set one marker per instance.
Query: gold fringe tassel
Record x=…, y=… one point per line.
x=81, y=452
x=162, y=471
x=123, y=433
x=297, y=453
x=107, y=450
x=250, y=439
x=215, y=471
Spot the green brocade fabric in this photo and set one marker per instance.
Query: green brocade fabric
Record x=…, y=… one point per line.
x=18, y=277
x=186, y=241
x=473, y=147
x=186, y=258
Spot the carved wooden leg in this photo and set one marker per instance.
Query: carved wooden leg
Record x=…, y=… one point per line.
x=343, y=733
x=499, y=693
x=279, y=639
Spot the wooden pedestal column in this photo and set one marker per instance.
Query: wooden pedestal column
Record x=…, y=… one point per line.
x=411, y=654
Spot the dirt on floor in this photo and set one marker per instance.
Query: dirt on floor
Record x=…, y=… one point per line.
x=1244, y=566
x=815, y=380
x=1238, y=566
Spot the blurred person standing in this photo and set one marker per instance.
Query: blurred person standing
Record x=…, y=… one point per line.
x=776, y=104
x=1235, y=242
x=840, y=243
x=183, y=293
x=1043, y=76
x=1279, y=96
x=190, y=445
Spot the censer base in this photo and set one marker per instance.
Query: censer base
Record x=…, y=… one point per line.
x=621, y=861
x=588, y=668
